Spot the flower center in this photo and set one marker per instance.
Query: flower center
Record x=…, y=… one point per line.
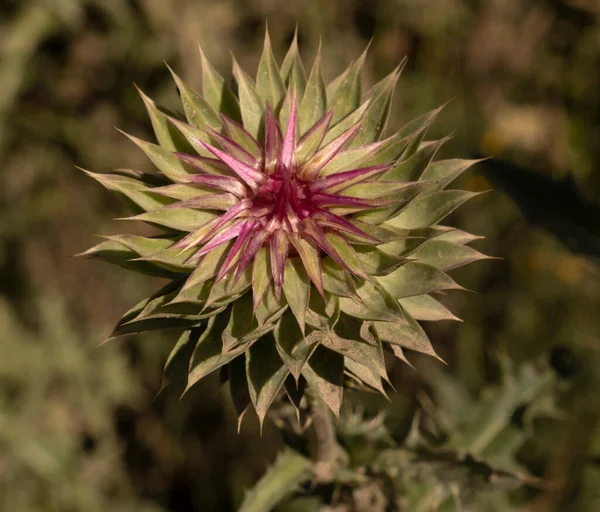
x=283, y=201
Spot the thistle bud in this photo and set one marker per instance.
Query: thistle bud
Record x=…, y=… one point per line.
x=300, y=241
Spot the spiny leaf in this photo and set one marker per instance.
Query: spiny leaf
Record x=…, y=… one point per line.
x=413, y=168
x=180, y=219
x=377, y=262
x=164, y=160
x=166, y=135
x=251, y=105
x=430, y=208
x=209, y=265
x=344, y=93
x=240, y=135
x=445, y=171
x=157, y=251
x=209, y=355
x=296, y=287
x=241, y=325
x=381, y=304
x=365, y=374
x=314, y=103
x=456, y=236
x=179, y=359
x=446, y=255
x=416, y=278
x=410, y=336
x=136, y=195
x=294, y=346
x=216, y=92
x=425, y=307
x=292, y=69
x=266, y=374
x=324, y=373
x=269, y=84
x=345, y=339
x=116, y=253
x=380, y=102
x=238, y=387
x=197, y=110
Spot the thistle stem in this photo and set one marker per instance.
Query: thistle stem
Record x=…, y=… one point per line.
x=326, y=449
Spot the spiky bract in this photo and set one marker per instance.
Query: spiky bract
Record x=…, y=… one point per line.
x=300, y=243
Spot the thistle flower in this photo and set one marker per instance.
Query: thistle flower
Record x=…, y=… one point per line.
x=300, y=243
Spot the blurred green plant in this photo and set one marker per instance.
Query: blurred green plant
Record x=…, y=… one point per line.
x=524, y=78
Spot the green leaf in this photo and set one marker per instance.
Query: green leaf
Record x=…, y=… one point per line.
x=292, y=70
x=216, y=92
x=242, y=325
x=410, y=336
x=156, y=251
x=269, y=84
x=352, y=119
x=261, y=274
x=209, y=354
x=282, y=479
x=322, y=313
x=252, y=106
x=156, y=323
x=238, y=387
x=136, y=310
x=240, y=135
x=178, y=362
x=311, y=142
x=194, y=135
x=166, y=135
x=413, y=168
x=209, y=265
x=197, y=110
x=180, y=219
x=446, y=171
x=379, y=153
x=380, y=303
x=269, y=309
x=380, y=102
x=324, y=373
x=365, y=374
x=294, y=346
x=295, y=389
x=314, y=103
x=425, y=307
x=266, y=374
x=446, y=255
x=377, y=262
x=117, y=254
x=163, y=159
x=310, y=259
x=429, y=208
x=180, y=191
x=417, y=129
x=225, y=291
x=416, y=278
x=345, y=92
x=336, y=280
x=347, y=254
x=135, y=194
x=345, y=339
x=456, y=236
x=296, y=287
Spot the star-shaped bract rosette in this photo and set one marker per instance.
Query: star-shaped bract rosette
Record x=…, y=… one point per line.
x=300, y=243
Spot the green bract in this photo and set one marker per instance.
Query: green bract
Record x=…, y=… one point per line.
x=300, y=242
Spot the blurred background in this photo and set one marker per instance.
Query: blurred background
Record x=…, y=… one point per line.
x=80, y=427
